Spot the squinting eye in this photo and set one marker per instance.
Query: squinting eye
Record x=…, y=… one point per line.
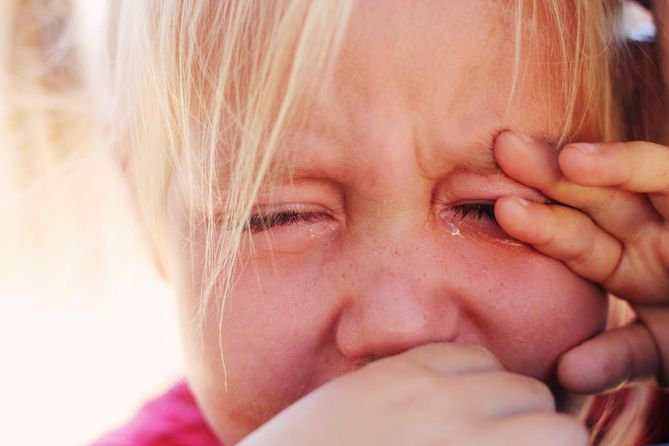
x=263, y=222
x=480, y=211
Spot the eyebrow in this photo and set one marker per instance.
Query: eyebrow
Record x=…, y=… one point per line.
x=477, y=157
x=441, y=156
x=483, y=161
x=479, y=154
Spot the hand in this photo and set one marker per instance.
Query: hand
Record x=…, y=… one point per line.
x=611, y=226
x=444, y=394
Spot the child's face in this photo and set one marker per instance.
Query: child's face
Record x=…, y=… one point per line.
x=393, y=176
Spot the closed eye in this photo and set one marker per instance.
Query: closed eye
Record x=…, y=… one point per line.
x=264, y=221
x=480, y=211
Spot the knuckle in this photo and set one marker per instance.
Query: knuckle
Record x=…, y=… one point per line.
x=484, y=357
x=390, y=366
x=442, y=356
x=423, y=356
x=582, y=255
x=529, y=389
x=548, y=234
x=541, y=393
x=427, y=350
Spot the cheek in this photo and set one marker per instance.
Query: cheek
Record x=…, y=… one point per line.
x=534, y=309
x=278, y=324
x=275, y=335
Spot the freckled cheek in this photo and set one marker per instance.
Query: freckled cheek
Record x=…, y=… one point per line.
x=274, y=326
x=535, y=309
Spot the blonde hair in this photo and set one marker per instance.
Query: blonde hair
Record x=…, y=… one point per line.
x=209, y=87
x=204, y=90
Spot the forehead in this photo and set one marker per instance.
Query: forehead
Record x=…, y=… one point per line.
x=423, y=52
x=434, y=75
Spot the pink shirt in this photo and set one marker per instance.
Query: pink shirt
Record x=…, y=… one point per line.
x=173, y=419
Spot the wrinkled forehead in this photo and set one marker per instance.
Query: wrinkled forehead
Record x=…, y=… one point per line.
x=445, y=73
x=451, y=74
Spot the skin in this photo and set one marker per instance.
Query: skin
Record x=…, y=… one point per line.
x=389, y=264
x=432, y=394
x=615, y=232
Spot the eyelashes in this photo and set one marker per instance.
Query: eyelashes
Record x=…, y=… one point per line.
x=480, y=211
x=260, y=222
x=265, y=221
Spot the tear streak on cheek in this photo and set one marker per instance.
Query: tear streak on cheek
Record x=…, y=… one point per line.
x=467, y=231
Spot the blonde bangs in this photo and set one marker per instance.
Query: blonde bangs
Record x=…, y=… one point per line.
x=205, y=88
x=205, y=91
x=583, y=52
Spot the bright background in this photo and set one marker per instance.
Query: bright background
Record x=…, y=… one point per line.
x=87, y=328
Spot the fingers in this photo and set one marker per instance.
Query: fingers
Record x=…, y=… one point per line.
x=472, y=375
x=530, y=430
x=563, y=233
x=636, y=166
x=612, y=229
x=638, y=270
x=656, y=319
x=449, y=358
x=566, y=234
x=609, y=360
x=500, y=394
x=535, y=163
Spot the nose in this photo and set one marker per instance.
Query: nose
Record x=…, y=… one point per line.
x=395, y=308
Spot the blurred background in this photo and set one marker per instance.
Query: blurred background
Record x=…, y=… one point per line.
x=87, y=327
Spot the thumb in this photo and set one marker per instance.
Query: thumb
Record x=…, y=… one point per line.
x=609, y=360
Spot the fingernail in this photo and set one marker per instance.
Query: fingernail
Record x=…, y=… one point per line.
x=521, y=201
x=527, y=139
x=586, y=148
